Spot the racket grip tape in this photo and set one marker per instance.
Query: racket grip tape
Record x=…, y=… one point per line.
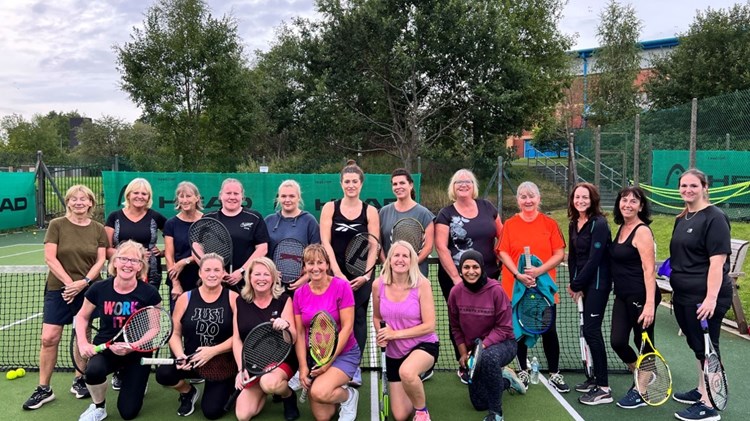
x=157, y=361
x=100, y=348
x=382, y=325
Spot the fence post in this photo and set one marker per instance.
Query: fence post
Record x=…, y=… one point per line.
x=419, y=165
x=727, y=143
x=637, y=150
x=500, y=185
x=40, y=191
x=693, y=131
x=598, y=156
x=572, y=178
x=116, y=163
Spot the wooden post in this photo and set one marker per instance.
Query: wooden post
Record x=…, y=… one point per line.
x=637, y=150
x=693, y=131
x=598, y=157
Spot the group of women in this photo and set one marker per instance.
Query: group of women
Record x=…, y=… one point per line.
x=481, y=277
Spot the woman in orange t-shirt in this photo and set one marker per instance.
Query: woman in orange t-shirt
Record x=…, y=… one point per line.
x=531, y=228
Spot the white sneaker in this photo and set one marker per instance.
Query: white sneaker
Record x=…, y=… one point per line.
x=357, y=379
x=348, y=410
x=294, y=382
x=93, y=414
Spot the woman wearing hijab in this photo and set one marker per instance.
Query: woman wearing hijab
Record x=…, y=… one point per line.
x=479, y=309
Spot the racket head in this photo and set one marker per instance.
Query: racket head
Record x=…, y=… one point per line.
x=361, y=254
x=219, y=368
x=287, y=256
x=265, y=348
x=209, y=235
x=534, y=312
x=409, y=230
x=322, y=338
x=476, y=358
x=79, y=361
x=148, y=329
x=651, y=376
x=714, y=375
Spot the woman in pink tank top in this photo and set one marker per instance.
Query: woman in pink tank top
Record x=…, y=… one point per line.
x=402, y=298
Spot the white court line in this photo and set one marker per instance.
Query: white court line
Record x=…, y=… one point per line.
x=374, y=398
x=18, y=322
x=573, y=413
x=24, y=244
x=21, y=253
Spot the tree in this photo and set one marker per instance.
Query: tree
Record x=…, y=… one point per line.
x=24, y=138
x=615, y=96
x=409, y=75
x=103, y=138
x=187, y=72
x=712, y=59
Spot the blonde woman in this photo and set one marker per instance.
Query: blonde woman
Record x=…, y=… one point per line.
x=261, y=297
x=181, y=270
x=75, y=251
x=114, y=300
x=402, y=298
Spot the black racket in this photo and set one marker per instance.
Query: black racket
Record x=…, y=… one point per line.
x=323, y=337
x=263, y=350
x=713, y=372
x=219, y=368
x=409, y=230
x=475, y=359
x=588, y=364
x=209, y=235
x=79, y=361
x=385, y=400
x=361, y=254
x=287, y=255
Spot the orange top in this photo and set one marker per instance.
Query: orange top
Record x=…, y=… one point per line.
x=542, y=235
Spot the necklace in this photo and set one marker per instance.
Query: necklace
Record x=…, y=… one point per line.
x=687, y=218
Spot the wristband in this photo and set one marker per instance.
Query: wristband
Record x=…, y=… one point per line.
x=187, y=261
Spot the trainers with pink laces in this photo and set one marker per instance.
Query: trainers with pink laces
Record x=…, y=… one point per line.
x=421, y=416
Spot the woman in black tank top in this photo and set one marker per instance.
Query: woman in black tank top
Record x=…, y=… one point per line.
x=340, y=221
x=632, y=266
x=202, y=319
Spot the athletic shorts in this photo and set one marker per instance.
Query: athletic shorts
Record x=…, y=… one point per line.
x=57, y=311
x=348, y=362
x=393, y=365
x=286, y=368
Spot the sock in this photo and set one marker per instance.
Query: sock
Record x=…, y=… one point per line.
x=100, y=405
x=421, y=409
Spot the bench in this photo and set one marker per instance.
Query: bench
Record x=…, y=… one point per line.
x=736, y=260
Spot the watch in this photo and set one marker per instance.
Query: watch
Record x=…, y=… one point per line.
x=187, y=261
x=242, y=271
x=88, y=280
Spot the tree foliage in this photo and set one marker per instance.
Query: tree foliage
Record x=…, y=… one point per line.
x=615, y=96
x=713, y=58
x=403, y=76
x=24, y=138
x=187, y=72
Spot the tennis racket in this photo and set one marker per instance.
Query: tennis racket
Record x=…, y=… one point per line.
x=384, y=393
x=361, y=254
x=323, y=337
x=475, y=359
x=287, y=255
x=534, y=312
x=651, y=376
x=263, y=350
x=588, y=364
x=409, y=230
x=209, y=235
x=713, y=372
x=79, y=361
x=219, y=368
x=145, y=330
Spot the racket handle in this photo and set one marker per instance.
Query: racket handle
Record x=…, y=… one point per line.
x=303, y=395
x=232, y=399
x=382, y=325
x=100, y=348
x=704, y=322
x=527, y=255
x=158, y=361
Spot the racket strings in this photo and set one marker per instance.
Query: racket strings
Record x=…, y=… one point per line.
x=716, y=381
x=358, y=252
x=322, y=340
x=653, y=379
x=288, y=259
x=148, y=329
x=265, y=347
x=218, y=368
x=410, y=231
x=535, y=313
x=212, y=236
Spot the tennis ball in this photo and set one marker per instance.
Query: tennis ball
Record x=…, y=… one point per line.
x=11, y=375
x=20, y=372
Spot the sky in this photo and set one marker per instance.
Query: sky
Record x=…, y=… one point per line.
x=58, y=54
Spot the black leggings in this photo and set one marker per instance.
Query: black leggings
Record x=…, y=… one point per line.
x=486, y=391
x=625, y=314
x=133, y=375
x=594, y=304
x=361, y=301
x=691, y=327
x=551, y=345
x=215, y=394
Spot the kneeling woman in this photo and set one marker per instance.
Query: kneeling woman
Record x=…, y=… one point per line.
x=334, y=295
x=114, y=300
x=202, y=318
x=478, y=308
x=402, y=298
x=262, y=296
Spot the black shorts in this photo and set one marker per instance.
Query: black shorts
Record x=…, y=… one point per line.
x=394, y=364
x=57, y=311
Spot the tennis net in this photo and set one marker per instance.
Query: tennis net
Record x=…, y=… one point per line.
x=22, y=296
